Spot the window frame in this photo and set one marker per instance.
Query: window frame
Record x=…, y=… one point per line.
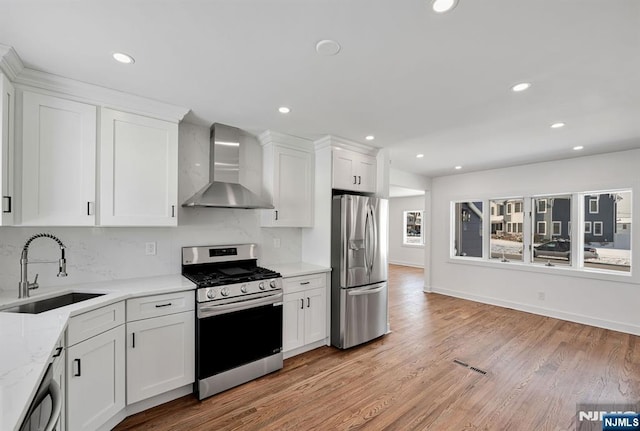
x=575, y=264
x=541, y=223
x=598, y=223
x=553, y=228
x=404, y=229
x=587, y=223
x=597, y=202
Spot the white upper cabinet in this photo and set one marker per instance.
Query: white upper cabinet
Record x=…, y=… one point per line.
x=138, y=170
x=6, y=150
x=288, y=178
x=353, y=171
x=58, y=161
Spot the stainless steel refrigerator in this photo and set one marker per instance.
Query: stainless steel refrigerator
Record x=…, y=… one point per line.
x=359, y=297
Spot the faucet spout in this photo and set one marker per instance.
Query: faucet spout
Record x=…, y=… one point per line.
x=24, y=285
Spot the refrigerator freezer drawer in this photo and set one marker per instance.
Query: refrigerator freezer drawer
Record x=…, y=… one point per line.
x=363, y=315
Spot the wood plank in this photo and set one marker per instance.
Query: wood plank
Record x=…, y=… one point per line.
x=538, y=370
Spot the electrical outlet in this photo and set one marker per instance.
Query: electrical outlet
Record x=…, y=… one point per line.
x=276, y=243
x=541, y=296
x=150, y=248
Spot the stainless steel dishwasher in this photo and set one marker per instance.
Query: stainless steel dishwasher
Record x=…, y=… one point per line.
x=46, y=408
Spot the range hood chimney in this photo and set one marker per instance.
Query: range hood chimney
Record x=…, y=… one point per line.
x=224, y=189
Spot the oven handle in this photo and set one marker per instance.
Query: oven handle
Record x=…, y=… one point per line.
x=214, y=310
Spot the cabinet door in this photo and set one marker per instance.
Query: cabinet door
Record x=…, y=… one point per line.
x=138, y=170
x=160, y=355
x=58, y=161
x=293, y=321
x=315, y=318
x=7, y=99
x=343, y=170
x=95, y=380
x=292, y=188
x=367, y=172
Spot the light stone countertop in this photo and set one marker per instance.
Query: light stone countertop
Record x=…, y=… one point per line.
x=297, y=269
x=28, y=340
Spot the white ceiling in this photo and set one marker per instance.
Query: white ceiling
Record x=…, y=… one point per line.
x=421, y=82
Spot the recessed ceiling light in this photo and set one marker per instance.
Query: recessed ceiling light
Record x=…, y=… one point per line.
x=557, y=125
x=284, y=110
x=521, y=87
x=123, y=58
x=441, y=6
x=369, y=137
x=419, y=156
x=327, y=47
x=457, y=168
x=578, y=147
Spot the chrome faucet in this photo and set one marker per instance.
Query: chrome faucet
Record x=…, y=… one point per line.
x=24, y=286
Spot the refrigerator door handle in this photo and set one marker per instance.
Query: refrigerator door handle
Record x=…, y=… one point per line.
x=367, y=240
x=374, y=235
x=359, y=292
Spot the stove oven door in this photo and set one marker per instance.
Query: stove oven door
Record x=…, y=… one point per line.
x=234, y=335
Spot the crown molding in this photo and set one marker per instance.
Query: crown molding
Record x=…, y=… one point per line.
x=272, y=137
x=10, y=63
x=102, y=96
x=342, y=143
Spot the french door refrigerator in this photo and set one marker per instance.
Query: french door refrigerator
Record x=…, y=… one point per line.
x=359, y=297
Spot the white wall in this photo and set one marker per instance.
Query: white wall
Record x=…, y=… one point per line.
x=609, y=303
x=410, y=255
x=96, y=254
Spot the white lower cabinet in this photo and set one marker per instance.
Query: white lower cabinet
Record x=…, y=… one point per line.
x=161, y=347
x=96, y=378
x=304, y=311
x=95, y=367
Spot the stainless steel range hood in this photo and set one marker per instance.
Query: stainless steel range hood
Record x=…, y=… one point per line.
x=224, y=189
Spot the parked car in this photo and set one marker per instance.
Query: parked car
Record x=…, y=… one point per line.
x=561, y=248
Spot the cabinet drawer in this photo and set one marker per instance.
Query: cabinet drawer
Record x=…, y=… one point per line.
x=160, y=305
x=87, y=325
x=304, y=282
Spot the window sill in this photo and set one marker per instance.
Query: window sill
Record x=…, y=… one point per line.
x=565, y=271
x=413, y=245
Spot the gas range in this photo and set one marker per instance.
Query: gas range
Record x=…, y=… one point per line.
x=228, y=273
x=238, y=316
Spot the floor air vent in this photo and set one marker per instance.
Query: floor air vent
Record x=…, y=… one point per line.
x=464, y=364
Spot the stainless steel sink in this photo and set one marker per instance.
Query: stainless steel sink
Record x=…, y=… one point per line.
x=43, y=305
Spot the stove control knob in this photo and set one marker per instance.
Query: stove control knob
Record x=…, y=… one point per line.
x=272, y=283
x=261, y=286
x=224, y=291
x=211, y=293
x=243, y=288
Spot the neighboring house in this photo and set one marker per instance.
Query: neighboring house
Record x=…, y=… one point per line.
x=600, y=218
x=552, y=217
x=469, y=229
x=507, y=218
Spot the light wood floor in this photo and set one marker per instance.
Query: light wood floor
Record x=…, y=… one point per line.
x=538, y=369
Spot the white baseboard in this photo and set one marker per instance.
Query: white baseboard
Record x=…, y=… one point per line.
x=558, y=314
x=411, y=264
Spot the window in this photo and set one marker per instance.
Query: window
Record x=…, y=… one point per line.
x=541, y=228
x=551, y=239
x=413, y=228
x=607, y=231
x=597, y=228
x=517, y=207
x=541, y=206
x=507, y=246
x=468, y=229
